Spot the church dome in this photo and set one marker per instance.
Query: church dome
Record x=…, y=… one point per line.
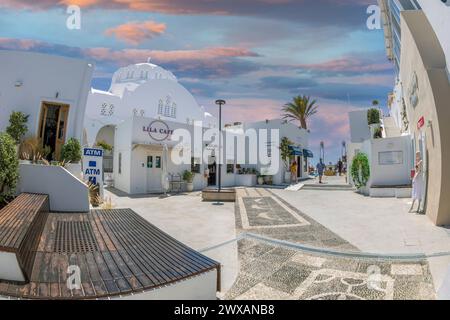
x=132, y=76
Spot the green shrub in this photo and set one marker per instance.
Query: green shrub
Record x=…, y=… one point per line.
x=373, y=116
x=285, y=152
x=188, y=176
x=17, y=126
x=104, y=145
x=360, y=170
x=71, y=151
x=9, y=167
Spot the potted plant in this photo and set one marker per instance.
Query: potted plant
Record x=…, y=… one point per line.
x=285, y=153
x=360, y=171
x=188, y=176
x=373, y=119
x=17, y=127
x=71, y=156
x=260, y=179
x=104, y=145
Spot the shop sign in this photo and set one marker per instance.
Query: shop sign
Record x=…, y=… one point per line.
x=421, y=123
x=158, y=130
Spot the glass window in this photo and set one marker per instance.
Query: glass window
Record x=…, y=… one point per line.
x=158, y=162
x=230, y=168
x=150, y=162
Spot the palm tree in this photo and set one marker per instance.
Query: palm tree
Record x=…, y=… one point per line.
x=300, y=109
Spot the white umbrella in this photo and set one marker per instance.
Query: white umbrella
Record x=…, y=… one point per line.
x=165, y=175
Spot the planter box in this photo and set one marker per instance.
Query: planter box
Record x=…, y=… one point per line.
x=225, y=195
x=246, y=180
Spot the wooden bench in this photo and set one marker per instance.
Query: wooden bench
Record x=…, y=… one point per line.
x=21, y=225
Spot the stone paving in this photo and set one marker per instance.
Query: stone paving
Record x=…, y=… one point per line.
x=262, y=212
x=269, y=270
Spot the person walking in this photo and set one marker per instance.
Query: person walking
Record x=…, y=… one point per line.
x=340, y=166
x=294, y=168
x=417, y=183
x=320, y=170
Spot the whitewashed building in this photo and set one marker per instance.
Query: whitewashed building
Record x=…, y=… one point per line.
x=138, y=116
x=52, y=90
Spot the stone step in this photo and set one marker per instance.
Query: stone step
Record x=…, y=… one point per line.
x=328, y=187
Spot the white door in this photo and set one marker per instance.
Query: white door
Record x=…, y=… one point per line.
x=154, y=172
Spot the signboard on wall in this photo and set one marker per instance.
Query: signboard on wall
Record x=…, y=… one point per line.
x=93, y=167
x=390, y=157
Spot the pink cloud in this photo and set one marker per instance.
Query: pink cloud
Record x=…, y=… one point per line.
x=18, y=44
x=348, y=64
x=135, y=33
x=125, y=56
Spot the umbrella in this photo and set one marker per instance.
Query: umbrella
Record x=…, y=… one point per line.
x=165, y=175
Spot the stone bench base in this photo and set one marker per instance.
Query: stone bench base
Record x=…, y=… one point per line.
x=225, y=195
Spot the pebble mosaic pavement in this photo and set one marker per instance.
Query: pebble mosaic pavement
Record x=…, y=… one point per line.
x=270, y=271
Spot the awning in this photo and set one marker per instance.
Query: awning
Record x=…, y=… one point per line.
x=295, y=151
x=308, y=153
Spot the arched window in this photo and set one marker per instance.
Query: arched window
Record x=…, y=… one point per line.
x=173, y=111
x=160, y=107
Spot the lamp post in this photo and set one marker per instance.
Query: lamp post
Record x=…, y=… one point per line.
x=220, y=103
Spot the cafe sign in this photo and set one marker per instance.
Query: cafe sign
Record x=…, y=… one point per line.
x=421, y=123
x=158, y=130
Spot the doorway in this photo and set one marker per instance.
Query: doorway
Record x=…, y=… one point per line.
x=154, y=172
x=212, y=174
x=52, y=128
x=299, y=166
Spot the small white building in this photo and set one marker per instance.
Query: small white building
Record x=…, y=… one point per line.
x=52, y=90
x=145, y=100
x=390, y=157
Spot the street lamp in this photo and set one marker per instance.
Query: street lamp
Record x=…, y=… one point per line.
x=220, y=103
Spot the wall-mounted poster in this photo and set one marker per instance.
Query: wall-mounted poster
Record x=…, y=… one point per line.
x=390, y=157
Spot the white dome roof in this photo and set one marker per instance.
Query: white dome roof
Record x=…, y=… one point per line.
x=132, y=76
x=146, y=90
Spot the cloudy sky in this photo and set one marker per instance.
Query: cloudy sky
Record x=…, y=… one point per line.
x=256, y=54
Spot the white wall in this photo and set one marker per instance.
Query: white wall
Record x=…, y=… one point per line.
x=438, y=15
x=359, y=128
x=122, y=146
x=389, y=175
x=42, y=77
x=201, y=287
x=65, y=191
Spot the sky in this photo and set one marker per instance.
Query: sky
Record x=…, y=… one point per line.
x=255, y=54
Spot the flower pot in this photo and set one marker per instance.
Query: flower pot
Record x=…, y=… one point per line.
x=260, y=180
x=189, y=186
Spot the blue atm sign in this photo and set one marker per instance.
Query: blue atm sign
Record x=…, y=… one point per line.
x=93, y=152
x=92, y=166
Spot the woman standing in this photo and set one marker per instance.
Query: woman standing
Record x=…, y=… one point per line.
x=417, y=183
x=294, y=172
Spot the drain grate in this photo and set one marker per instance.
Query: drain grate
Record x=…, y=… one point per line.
x=74, y=237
